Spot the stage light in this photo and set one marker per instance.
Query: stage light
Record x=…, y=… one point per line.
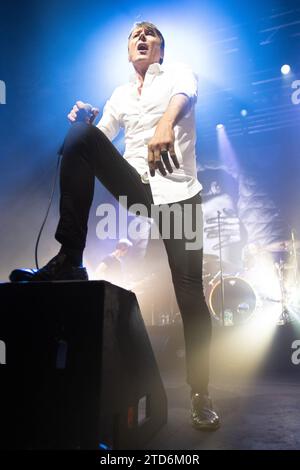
x=226, y=151
x=233, y=348
x=104, y=446
x=285, y=69
x=244, y=112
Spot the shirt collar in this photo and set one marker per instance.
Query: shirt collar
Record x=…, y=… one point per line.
x=153, y=69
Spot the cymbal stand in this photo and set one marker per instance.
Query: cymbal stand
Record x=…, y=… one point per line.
x=284, y=317
x=221, y=270
x=295, y=259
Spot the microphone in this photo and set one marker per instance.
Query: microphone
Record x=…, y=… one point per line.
x=82, y=115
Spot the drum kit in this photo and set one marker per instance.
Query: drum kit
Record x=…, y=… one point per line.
x=268, y=280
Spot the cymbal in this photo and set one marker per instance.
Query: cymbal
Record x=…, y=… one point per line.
x=283, y=245
x=213, y=266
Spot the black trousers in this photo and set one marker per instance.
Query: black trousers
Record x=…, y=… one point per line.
x=87, y=153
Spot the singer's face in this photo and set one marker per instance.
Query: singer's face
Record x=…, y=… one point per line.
x=144, y=47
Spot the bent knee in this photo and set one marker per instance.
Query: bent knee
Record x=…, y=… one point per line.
x=78, y=134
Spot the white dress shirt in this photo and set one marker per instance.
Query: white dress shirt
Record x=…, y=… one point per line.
x=139, y=114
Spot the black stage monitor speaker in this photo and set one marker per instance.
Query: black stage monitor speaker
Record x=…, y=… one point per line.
x=77, y=369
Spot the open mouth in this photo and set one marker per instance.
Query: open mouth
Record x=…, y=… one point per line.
x=142, y=47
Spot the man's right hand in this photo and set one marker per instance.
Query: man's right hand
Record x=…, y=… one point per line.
x=83, y=112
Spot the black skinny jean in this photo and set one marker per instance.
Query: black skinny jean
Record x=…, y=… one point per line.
x=87, y=153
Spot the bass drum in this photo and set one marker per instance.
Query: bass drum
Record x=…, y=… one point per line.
x=240, y=300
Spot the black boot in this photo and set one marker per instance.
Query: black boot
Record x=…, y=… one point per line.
x=203, y=416
x=59, y=268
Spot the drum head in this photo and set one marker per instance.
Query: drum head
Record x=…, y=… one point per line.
x=239, y=300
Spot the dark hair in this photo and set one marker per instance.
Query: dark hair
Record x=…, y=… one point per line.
x=147, y=24
x=227, y=183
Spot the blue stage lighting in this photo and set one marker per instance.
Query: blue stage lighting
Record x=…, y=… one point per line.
x=285, y=69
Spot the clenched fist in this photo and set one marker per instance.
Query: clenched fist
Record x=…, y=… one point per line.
x=83, y=112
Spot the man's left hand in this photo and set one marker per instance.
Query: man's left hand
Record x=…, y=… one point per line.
x=160, y=147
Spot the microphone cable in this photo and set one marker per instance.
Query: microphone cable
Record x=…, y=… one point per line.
x=48, y=208
x=81, y=116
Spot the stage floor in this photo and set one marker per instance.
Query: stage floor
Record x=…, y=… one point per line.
x=260, y=415
x=259, y=410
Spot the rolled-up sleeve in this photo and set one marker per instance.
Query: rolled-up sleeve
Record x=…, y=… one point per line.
x=109, y=123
